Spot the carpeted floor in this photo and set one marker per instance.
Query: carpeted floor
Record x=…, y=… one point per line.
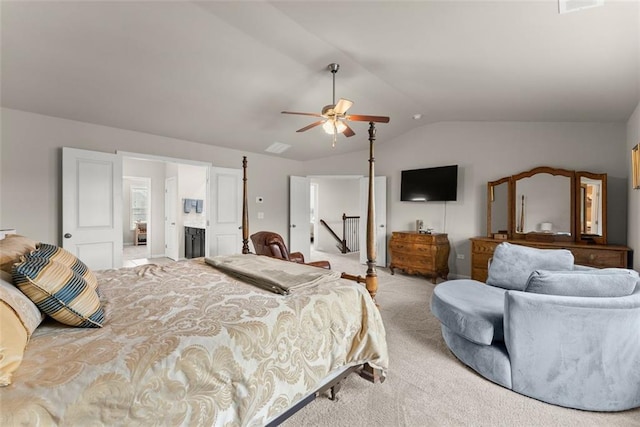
x=426, y=384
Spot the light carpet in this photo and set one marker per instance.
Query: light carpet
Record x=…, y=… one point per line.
x=426, y=384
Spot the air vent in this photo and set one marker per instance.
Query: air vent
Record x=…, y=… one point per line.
x=277, y=148
x=566, y=6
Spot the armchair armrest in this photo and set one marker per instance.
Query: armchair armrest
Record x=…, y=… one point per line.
x=296, y=257
x=321, y=264
x=560, y=346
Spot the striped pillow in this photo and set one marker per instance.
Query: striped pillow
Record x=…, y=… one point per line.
x=64, y=257
x=59, y=292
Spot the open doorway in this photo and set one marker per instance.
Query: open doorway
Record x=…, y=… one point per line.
x=136, y=218
x=145, y=236
x=334, y=198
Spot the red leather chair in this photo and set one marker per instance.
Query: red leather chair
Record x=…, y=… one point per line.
x=271, y=244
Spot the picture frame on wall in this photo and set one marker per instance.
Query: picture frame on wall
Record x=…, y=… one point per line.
x=635, y=167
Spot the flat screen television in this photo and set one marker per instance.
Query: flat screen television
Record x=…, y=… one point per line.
x=429, y=184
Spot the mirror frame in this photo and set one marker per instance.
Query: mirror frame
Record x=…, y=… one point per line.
x=490, y=199
x=591, y=238
x=541, y=236
x=576, y=235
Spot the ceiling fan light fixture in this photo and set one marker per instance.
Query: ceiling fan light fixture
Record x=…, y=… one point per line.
x=334, y=126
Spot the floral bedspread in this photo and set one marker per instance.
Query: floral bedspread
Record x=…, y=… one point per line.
x=184, y=344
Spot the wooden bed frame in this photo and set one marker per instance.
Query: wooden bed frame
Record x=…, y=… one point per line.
x=370, y=280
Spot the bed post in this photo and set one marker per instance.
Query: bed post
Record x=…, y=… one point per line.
x=245, y=210
x=371, y=280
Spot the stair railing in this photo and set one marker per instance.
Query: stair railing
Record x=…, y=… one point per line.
x=350, y=241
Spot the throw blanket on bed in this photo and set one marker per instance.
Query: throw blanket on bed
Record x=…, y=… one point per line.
x=184, y=344
x=272, y=274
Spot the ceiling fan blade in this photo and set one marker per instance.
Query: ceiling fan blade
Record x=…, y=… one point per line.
x=312, y=125
x=361, y=118
x=342, y=106
x=302, y=114
x=348, y=131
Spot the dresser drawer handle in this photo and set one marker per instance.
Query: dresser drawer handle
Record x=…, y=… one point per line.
x=592, y=257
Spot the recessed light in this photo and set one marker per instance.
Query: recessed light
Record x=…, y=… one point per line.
x=417, y=116
x=277, y=148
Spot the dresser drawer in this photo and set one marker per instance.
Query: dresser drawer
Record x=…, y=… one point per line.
x=423, y=238
x=412, y=248
x=480, y=260
x=413, y=260
x=599, y=258
x=479, y=274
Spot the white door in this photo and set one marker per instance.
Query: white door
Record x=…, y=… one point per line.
x=225, y=228
x=300, y=215
x=380, y=203
x=92, y=207
x=170, y=218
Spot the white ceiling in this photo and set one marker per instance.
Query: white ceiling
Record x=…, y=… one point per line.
x=220, y=73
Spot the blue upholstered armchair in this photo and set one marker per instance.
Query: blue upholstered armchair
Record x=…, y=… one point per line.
x=544, y=328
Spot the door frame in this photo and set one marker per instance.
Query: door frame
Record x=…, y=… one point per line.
x=380, y=228
x=165, y=159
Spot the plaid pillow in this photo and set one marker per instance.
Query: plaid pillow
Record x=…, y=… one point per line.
x=59, y=292
x=64, y=257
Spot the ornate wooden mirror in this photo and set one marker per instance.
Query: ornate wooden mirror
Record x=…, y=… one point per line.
x=591, y=212
x=549, y=205
x=543, y=205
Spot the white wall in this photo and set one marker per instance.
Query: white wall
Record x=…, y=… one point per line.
x=633, y=236
x=486, y=151
x=32, y=158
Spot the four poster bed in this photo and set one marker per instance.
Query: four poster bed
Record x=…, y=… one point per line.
x=190, y=343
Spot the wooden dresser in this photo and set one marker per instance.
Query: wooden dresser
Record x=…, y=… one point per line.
x=418, y=253
x=585, y=254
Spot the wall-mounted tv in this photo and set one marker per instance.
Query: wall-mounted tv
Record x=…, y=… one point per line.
x=429, y=184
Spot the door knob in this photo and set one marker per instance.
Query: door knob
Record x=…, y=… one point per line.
x=293, y=226
x=381, y=225
x=67, y=235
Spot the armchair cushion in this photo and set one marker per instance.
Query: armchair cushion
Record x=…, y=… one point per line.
x=608, y=282
x=470, y=309
x=513, y=264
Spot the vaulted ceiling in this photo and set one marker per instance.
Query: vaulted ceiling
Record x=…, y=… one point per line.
x=220, y=72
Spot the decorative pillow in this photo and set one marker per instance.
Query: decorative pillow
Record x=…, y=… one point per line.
x=19, y=317
x=605, y=283
x=59, y=292
x=513, y=264
x=64, y=257
x=27, y=311
x=13, y=340
x=12, y=247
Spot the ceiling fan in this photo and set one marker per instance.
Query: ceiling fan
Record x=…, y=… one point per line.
x=334, y=116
